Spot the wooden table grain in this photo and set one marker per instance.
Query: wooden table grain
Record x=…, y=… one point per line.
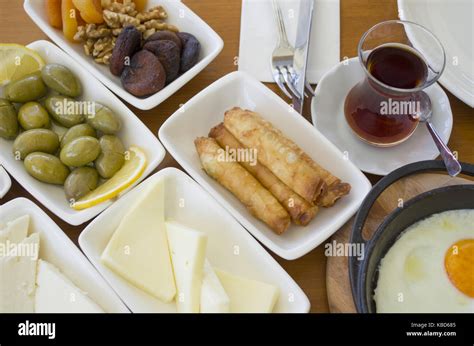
x=224, y=17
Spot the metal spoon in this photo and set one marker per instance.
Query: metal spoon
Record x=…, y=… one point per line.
x=452, y=164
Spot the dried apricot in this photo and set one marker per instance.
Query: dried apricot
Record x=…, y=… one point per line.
x=69, y=16
x=169, y=55
x=165, y=35
x=53, y=11
x=91, y=10
x=140, y=5
x=145, y=75
x=190, y=52
x=127, y=44
x=80, y=20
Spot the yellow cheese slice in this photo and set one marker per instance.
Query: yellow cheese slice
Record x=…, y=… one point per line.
x=138, y=250
x=214, y=298
x=55, y=293
x=188, y=252
x=248, y=296
x=15, y=231
x=17, y=276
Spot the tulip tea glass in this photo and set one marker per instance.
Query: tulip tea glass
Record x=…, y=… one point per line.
x=385, y=107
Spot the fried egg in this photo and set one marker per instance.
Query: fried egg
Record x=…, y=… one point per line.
x=430, y=267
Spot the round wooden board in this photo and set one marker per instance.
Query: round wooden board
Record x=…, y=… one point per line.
x=337, y=272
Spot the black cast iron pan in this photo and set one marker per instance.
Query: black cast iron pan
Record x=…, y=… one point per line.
x=364, y=273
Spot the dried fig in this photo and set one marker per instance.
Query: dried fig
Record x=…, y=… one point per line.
x=128, y=43
x=169, y=55
x=165, y=35
x=145, y=75
x=190, y=52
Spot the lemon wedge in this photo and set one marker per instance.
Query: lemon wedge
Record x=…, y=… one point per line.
x=17, y=61
x=131, y=171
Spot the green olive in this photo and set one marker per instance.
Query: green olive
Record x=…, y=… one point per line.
x=65, y=110
x=78, y=131
x=104, y=120
x=32, y=115
x=112, y=156
x=80, y=182
x=30, y=141
x=58, y=129
x=80, y=151
x=28, y=88
x=61, y=79
x=46, y=168
x=8, y=120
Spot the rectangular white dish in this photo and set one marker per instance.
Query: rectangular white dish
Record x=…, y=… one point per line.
x=229, y=248
x=206, y=109
x=59, y=250
x=178, y=14
x=133, y=132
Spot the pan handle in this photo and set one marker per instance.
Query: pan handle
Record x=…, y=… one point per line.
x=381, y=186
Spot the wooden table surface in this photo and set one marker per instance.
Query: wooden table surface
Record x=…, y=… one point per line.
x=224, y=17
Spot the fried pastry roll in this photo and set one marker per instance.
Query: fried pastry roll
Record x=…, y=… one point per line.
x=284, y=158
x=301, y=212
x=235, y=178
x=276, y=152
x=335, y=188
x=335, y=191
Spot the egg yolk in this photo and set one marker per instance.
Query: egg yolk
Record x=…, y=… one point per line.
x=459, y=264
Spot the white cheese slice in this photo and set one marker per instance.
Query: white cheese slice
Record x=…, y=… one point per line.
x=55, y=293
x=15, y=231
x=214, y=299
x=17, y=276
x=138, y=250
x=248, y=296
x=188, y=253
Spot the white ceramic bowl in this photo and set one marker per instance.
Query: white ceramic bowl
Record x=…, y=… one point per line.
x=5, y=182
x=179, y=15
x=133, y=132
x=58, y=249
x=206, y=110
x=229, y=247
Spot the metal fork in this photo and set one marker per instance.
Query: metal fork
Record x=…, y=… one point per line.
x=283, y=58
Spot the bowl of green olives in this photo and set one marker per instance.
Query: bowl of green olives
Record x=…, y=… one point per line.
x=63, y=134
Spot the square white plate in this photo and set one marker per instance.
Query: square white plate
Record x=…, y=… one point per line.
x=133, y=132
x=58, y=249
x=229, y=246
x=178, y=14
x=206, y=110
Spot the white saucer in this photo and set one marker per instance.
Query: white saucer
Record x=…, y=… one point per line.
x=5, y=182
x=327, y=111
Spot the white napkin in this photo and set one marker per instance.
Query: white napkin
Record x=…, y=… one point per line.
x=258, y=36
